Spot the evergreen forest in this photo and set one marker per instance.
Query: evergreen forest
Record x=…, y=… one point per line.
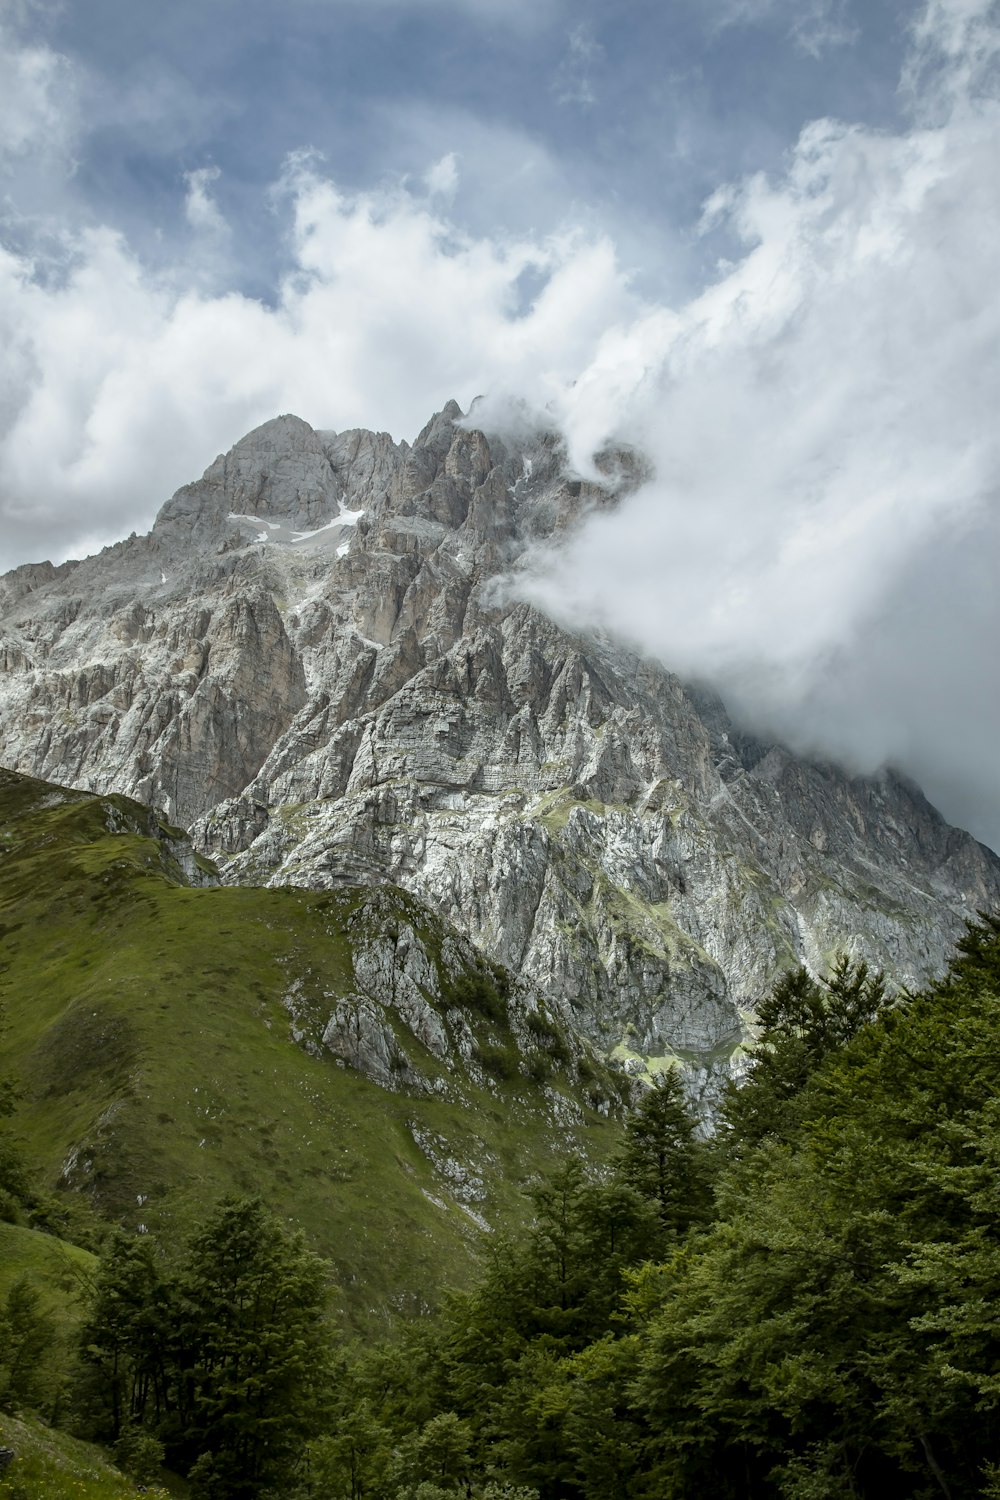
x=804, y=1305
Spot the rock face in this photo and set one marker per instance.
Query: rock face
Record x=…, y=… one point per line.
x=308, y=661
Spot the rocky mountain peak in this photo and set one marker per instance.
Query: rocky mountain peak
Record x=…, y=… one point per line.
x=305, y=661
x=281, y=469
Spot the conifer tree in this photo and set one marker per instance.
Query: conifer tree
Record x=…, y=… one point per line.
x=224, y=1359
x=803, y=1022
x=662, y=1159
x=123, y=1339
x=249, y=1351
x=27, y=1338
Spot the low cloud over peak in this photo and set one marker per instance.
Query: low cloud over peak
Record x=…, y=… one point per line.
x=821, y=538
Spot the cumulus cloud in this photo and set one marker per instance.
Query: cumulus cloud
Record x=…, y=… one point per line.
x=821, y=539
x=120, y=384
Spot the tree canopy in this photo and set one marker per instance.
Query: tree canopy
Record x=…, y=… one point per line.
x=223, y=1356
x=803, y=1308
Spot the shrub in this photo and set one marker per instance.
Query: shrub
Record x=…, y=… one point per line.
x=501, y=1062
x=138, y=1454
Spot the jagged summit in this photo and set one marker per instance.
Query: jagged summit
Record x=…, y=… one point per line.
x=306, y=663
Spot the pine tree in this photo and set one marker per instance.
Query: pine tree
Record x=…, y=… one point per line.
x=249, y=1352
x=662, y=1159
x=27, y=1340
x=123, y=1339
x=803, y=1022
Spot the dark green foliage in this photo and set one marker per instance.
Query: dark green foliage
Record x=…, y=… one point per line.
x=123, y=1340
x=484, y=990
x=835, y=1334
x=439, y=1455
x=27, y=1339
x=563, y=1280
x=248, y=1349
x=803, y=1022
x=532, y=1358
x=352, y=1459
x=501, y=1062
x=539, y=1023
x=977, y=961
x=662, y=1159
x=223, y=1359
x=549, y=1037
x=539, y=1069
x=582, y=1404
x=829, y=1329
x=139, y=1454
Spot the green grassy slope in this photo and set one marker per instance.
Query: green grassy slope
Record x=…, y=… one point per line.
x=158, y=1069
x=49, y=1262
x=57, y=1277
x=50, y=1465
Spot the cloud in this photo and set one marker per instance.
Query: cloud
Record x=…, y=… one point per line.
x=503, y=175
x=574, y=81
x=822, y=538
x=821, y=541
x=200, y=208
x=122, y=384
x=955, y=57
x=814, y=25
x=36, y=94
x=441, y=179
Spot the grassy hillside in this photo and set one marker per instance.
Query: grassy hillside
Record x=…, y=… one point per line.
x=51, y=1465
x=49, y=1262
x=151, y=1027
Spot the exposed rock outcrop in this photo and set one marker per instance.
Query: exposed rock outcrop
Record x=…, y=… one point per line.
x=309, y=662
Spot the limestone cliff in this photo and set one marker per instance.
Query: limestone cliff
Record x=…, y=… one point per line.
x=308, y=662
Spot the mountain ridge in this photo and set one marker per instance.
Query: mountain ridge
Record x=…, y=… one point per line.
x=346, y=1054
x=307, y=663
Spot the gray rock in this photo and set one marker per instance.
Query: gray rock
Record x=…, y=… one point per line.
x=309, y=661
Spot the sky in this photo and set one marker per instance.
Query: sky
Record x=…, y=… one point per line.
x=757, y=238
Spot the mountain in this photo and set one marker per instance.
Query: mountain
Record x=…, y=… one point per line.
x=312, y=662
x=347, y=1054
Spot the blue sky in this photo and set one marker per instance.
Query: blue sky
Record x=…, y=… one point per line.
x=623, y=116
x=759, y=238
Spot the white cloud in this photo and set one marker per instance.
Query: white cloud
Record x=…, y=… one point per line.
x=441, y=179
x=200, y=208
x=36, y=94
x=121, y=386
x=955, y=56
x=823, y=422
x=814, y=25
x=822, y=538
